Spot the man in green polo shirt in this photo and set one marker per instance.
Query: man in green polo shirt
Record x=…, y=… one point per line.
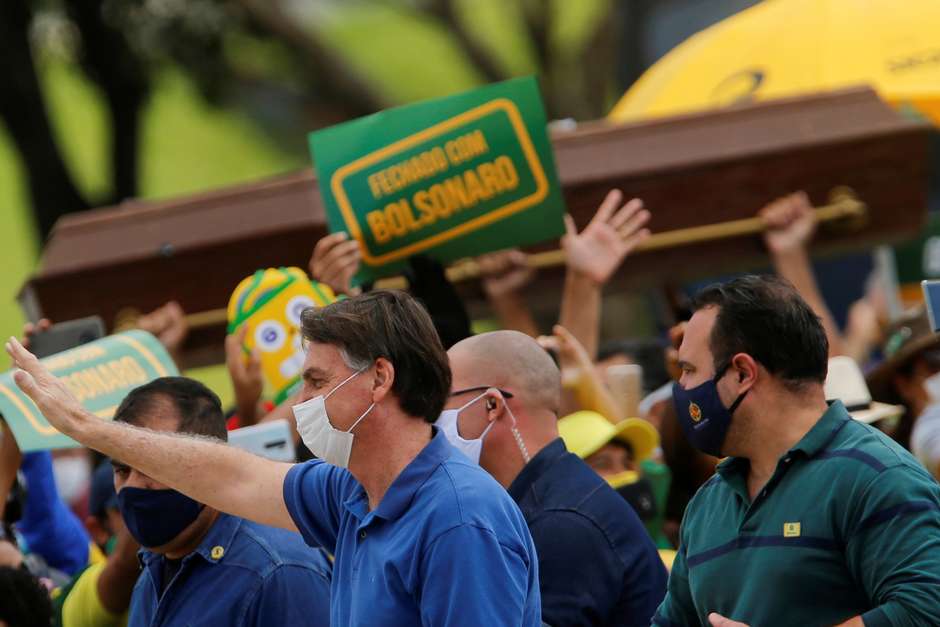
x=813, y=518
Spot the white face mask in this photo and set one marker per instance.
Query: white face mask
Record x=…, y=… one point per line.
x=72, y=477
x=318, y=433
x=447, y=422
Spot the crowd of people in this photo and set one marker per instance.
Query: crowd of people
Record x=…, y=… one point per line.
x=721, y=472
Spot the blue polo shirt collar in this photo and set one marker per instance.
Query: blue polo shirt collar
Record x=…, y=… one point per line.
x=536, y=467
x=220, y=535
x=402, y=491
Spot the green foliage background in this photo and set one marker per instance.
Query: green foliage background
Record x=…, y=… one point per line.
x=189, y=145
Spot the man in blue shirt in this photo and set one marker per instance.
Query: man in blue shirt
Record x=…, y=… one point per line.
x=420, y=536
x=200, y=564
x=597, y=564
x=49, y=528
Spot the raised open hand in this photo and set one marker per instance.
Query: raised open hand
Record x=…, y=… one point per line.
x=598, y=250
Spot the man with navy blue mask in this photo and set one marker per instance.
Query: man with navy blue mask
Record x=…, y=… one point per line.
x=200, y=565
x=813, y=518
x=597, y=564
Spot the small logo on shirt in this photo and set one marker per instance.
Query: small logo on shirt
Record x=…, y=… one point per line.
x=695, y=412
x=791, y=530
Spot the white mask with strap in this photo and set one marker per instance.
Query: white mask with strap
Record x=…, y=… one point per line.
x=447, y=422
x=318, y=433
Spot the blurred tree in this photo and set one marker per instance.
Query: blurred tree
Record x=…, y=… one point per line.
x=121, y=44
x=22, y=110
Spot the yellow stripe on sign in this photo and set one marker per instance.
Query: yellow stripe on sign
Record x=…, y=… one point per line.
x=44, y=429
x=145, y=352
x=525, y=143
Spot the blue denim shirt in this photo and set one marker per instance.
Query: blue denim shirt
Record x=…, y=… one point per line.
x=597, y=563
x=446, y=546
x=242, y=573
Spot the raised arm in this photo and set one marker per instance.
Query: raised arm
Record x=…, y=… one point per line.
x=220, y=476
x=579, y=377
x=592, y=257
x=117, y=579
x=791, y=223
x=245, y=373
x=505, y=274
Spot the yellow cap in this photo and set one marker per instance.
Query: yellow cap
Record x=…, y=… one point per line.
x=585, y=432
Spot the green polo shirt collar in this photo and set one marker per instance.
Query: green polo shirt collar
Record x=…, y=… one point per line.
x=814, y=442
x=824, y=431
x=734, y=470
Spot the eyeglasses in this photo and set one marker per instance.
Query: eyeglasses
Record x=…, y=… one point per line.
x=481, y=388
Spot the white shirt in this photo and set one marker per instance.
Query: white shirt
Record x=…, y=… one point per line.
x=925, y=438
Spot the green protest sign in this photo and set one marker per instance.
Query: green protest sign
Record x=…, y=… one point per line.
x=453, y=177
x=99, y=374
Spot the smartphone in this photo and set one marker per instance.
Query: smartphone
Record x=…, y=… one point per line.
x=932, y=300
x=268, y=439
x=65, y=335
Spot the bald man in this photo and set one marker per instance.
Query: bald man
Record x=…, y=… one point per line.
x=597, y=565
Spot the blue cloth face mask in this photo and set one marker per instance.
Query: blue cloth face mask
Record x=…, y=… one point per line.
x=154, y=517
x=704, y=419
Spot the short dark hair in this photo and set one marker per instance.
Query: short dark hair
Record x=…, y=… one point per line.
x=23, y=599
x=765, y=317
x=392, y=325
x=198, y=407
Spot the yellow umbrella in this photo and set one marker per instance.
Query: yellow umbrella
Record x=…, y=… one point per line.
x=790, y=47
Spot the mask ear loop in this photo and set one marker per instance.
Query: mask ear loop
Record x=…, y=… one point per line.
x=344, y=382
x=515, y=432
x=463, y=407
x=359, y=419
x=470, y=402
x=719, y=374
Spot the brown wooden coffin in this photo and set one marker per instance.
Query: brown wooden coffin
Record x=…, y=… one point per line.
x=690, y=170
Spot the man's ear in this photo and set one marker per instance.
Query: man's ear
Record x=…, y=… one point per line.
x=746, y=368
x=494, y=403
x=383, y=380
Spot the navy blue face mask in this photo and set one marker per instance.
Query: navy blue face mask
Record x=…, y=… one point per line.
x=154, y=517
x=702, y=416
